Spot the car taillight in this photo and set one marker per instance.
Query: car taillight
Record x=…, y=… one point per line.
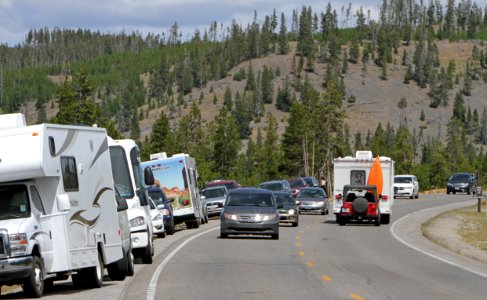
x=385, y=198
x=338, y=197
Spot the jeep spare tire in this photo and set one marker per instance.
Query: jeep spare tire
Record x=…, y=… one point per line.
x=360, y=205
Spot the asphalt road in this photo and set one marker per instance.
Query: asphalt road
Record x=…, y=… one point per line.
x=317, y=260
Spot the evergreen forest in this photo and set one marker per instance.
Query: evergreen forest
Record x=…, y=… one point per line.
x=215, y=97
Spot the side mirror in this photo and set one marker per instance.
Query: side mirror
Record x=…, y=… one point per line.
x=160, y=206
x=280, y=206
x=298, y=202
x=122, y=204
x=63, y=203
x=148, y=176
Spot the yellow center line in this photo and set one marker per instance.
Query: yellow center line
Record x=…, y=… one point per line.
x=301, y=253
x=326, y=278
x=298, y=237
x=298, y=244
x=309, y=264
x=356, y=297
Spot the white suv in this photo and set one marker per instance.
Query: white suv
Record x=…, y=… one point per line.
x=406, y=186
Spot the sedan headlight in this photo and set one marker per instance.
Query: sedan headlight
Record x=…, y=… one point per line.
x=157, y=217
x=230, y=216
x=321, y=203
x=18, y=244
x=139, y=221
x=291, y=212
x=449, y=184
x=265, y=217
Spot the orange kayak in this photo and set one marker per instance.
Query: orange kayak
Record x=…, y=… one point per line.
x=375, y=175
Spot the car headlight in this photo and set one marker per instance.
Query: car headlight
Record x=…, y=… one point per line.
x=265, y=217
x=166, y=212
x=230, y=216
x=449, y=184
x=139, y=221
x=291, y=212
x=157, y=217
x=321, y=203
x=18, y=244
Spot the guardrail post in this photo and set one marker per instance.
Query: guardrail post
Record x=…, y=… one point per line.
x=479, y=194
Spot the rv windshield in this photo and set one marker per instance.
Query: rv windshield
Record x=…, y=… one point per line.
x=14, y=202
x=121, y=173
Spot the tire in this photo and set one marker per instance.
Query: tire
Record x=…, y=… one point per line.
x=411, y=197
x=118, y=270
x=448, y=192
x=223, y=235
x=417, y=196
x=33, y=285
x=323, y=212
x=275, y=236
x=161, y=235
x=130, y=264
x=147, y=254
x=377, y=221
x=79, y=280
x=94, y=275
x=360, y=205
x=170, y=230
x=189, y=224
x=385, y=219
x=342, y=221
x=295, y=224
x=337, y=218
x=197, y=223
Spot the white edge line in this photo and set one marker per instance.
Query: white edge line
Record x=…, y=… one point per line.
x=151, y=289
x=391, y=229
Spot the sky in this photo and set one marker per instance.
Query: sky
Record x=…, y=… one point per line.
x=17, y=17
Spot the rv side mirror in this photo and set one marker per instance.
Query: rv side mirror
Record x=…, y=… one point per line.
x=148, y=176
x=122, y=204
x=63, y=203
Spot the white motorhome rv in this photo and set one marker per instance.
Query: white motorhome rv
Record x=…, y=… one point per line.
x=178, y=177
x=58, y=212
x=128, y=176
x=355, y=171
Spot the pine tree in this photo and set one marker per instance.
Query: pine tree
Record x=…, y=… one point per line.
x=134, y=126
x=283, y=44
x=227, y=99
x=251, y=83
x=267, y=86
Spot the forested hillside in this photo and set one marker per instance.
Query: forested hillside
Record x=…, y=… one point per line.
x=279, y=97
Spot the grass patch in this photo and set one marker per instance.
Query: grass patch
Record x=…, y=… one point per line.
x=473, y=228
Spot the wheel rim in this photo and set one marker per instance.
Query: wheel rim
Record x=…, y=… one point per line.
x=99, y=273
x=38, y=276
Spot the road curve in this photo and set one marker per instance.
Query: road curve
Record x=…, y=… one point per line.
x=317, y=260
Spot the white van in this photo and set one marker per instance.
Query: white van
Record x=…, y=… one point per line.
x=58, y=212
x=128, y=176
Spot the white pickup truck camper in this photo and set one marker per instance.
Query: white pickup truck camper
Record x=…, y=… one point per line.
x=355, y=171
x=128, y=176
x=58, y=211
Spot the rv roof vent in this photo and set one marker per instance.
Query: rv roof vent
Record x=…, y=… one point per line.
x=158, y=155
x=363, y=154
x=12, y=121
x=179, y=154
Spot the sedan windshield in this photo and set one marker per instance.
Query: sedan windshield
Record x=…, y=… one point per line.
x=250, y=200
x=274, y=186
x=214, y=193
x=296, y=183
x=284, y=199
x=310, y=194
x=460, y=178
x=402, y=179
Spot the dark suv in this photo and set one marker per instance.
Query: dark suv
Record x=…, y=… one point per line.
x=461, y=182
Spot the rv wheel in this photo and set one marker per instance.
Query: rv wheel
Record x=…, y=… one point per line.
x=34, y=284
x=118, y=270
x=94, y=275
x=130, y=264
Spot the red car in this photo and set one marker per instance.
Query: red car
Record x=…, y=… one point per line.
x=360, y=203
x=296, y=185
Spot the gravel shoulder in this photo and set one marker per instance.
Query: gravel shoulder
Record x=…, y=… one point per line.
x=448, y=230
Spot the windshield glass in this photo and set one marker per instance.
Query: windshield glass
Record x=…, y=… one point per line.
x=460, y=177
x=284, y=199
x=296, y=183
x=252, y=199
x=305, y=193
x=215, y=193
x=402, y=180
x=272, y=186
x=156, y=196
x=14, y=202
x=121, y=173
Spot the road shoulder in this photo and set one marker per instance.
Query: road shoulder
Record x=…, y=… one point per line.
x=408, y=231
